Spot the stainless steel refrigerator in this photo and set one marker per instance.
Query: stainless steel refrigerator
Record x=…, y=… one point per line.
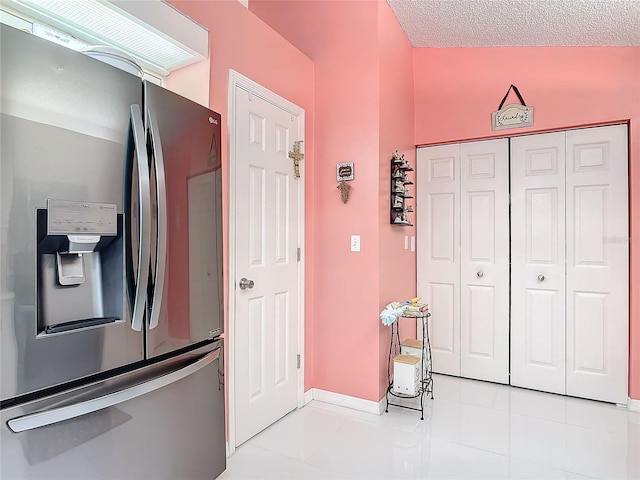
x=110, y=272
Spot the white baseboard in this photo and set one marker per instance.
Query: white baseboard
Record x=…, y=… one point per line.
x=377, y=408
x=308, y=396
x=368, y=406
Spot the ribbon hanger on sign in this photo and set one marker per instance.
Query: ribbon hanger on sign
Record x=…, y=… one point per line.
x=516, y=91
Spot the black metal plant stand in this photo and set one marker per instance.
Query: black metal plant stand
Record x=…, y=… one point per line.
x=426, y=383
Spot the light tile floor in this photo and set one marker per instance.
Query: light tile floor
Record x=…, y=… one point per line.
x=471, y=430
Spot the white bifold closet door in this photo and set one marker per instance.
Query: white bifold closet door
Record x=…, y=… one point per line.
x=538, y=262
x=438, y=252
x=570, y=261
x=484, y=260
x=463, y=256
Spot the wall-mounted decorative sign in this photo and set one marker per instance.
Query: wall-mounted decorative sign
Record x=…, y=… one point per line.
x=344, y=171
x=513, y=115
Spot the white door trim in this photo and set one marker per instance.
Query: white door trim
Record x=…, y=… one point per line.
x=238, y=80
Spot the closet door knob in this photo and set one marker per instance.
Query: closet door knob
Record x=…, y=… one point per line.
x=479, y=274
x=541, y=278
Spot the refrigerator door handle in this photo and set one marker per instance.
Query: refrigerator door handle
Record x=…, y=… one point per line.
x=56, y=415
x=144, y=219
x=161, y=192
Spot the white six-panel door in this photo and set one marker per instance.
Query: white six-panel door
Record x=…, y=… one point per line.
x=267, y=236
x=463, y=256
x=438, y=250
x=538, y=262
x=597, y=263
x=484, y=260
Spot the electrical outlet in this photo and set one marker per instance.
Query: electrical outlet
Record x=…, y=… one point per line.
x=355, y=243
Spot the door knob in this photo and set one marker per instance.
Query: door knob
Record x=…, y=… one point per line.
x=244, y=283
x=541, y=278
x=479, y=274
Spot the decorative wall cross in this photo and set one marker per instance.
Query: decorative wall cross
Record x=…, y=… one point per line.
x=296, y=155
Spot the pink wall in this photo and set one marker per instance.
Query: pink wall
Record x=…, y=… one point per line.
x=353, y=45
x=456, y=89
x=397, y=266
x=356, y=87
x=240, y=41
x=345, y=331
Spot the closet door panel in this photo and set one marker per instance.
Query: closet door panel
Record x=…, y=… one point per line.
x=484, y=260
x=438, y=255
x=538, y=262
x=597, y=263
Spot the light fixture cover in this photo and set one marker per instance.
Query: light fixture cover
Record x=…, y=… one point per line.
x=157, y=35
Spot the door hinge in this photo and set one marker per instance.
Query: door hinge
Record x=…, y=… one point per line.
x=298, y=360
x=298, y=253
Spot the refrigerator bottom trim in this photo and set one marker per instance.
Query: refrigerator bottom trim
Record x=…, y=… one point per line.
x=51, y=416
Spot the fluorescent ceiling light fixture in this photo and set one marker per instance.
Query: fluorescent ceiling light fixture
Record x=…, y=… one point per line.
x=153, y=32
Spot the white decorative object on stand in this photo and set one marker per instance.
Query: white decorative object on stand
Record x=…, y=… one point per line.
x=406, y=374
x=415, y=348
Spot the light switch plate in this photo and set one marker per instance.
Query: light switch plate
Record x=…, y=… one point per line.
x=355, y=243
x=406, y=242
x=413, y=243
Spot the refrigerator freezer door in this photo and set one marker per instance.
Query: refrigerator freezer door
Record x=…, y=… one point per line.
x=64, y=121
x=164, y=422
x=186, y=250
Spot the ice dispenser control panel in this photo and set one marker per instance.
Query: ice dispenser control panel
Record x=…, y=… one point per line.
x=81, y=218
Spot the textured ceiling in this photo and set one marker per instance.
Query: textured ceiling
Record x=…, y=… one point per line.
x=501, y=23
